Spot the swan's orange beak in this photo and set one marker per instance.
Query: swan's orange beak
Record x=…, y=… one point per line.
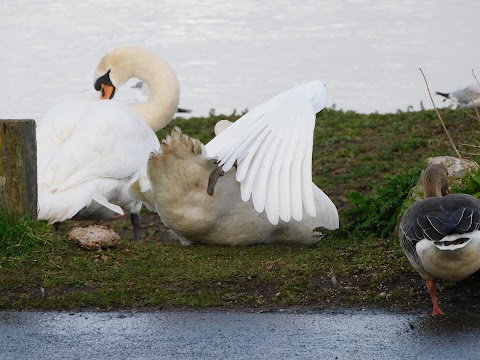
x=106, y=92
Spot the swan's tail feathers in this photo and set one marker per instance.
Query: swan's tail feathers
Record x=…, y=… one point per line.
x=327, y=213
x=156, y=170
x=445, y=95
x=180, y=144
x=179, y=166
x=176, y=150
x=102, y=200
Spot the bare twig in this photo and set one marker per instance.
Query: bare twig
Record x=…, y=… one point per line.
x=469, y=153
x=466, y=112
x=474, y=106
x=443, y=124
x=475, y=146
x=431, y=141
x=473, y=73
x=476, y=110
x=459, y=145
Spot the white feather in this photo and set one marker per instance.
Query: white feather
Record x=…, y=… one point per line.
x=260, y=188
x=248, y=183
x=107, y=142
x=275, y=140
x=102, y=200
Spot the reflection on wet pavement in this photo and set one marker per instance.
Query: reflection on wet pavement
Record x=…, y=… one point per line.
x=342, y=334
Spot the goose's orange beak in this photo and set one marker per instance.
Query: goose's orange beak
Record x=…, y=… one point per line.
x=106, y=92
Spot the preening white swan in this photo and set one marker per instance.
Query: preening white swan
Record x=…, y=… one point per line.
x=89, y=152
x=272, y=149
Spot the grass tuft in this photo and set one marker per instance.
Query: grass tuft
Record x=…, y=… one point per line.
x=377, y=213
x=18, y=235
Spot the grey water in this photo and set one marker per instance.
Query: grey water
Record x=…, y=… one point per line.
x=237, y=335
x=236, y=54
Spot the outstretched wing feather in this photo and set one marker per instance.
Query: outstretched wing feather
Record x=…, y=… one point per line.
x=272, y=146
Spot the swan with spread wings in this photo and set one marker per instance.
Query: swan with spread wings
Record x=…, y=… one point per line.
x=266, y=193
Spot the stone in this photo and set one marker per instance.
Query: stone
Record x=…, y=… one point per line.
x=94, y=237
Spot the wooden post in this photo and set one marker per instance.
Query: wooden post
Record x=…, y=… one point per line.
x=18, y=167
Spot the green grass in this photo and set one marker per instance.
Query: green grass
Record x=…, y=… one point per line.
x=19, y=236
x=377, y=212
x=353, y=152
x=149, y=274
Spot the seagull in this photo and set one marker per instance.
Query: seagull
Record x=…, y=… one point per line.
x=467, y=97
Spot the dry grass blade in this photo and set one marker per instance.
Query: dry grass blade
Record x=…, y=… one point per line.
x=468, y=114
x=471, y=145
x=443, y=123
x=474, y=106
x=476, y=110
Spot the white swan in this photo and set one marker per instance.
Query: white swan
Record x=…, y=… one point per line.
x=90, y=151
x=272, y=149
x=467, y=97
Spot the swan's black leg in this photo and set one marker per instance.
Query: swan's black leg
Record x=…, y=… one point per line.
x=56, y=227
x=213, y=178
x=136, y=221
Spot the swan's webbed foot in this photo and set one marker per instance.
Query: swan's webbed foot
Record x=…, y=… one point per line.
x=136, y=221
x=213, y=178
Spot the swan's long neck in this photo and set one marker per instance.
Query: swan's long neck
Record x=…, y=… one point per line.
x=162, y=82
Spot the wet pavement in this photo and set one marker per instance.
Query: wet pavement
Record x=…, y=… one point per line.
x=342, y=334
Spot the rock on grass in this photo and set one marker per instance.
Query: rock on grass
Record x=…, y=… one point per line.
x=94, y=237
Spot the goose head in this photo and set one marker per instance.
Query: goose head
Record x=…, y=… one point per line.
x=123, y=63
x=435, y=181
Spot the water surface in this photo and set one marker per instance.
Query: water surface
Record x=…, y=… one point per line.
x=236, y=54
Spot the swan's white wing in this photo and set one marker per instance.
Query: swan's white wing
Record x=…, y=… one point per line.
x=272, y=146
x=80, y=142
x=106, y=142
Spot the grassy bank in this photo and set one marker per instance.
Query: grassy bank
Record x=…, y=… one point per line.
x=353, y=153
